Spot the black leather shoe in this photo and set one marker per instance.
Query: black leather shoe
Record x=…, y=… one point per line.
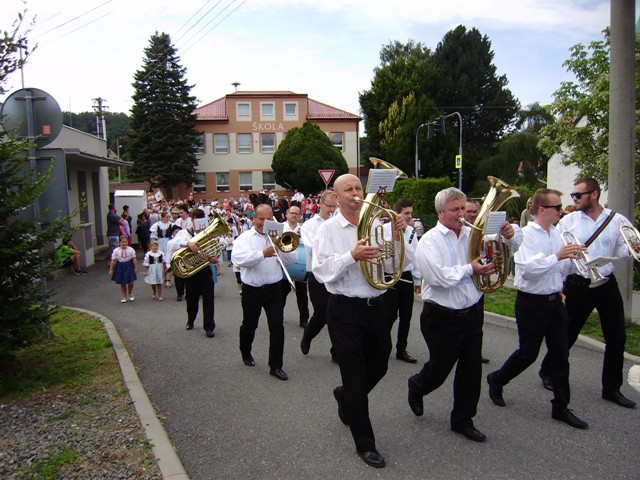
x=179, y=298
x=405, y=357
x=342, y=414
x=471, y=432
x=617, y=397
x=495, y=391
x=278, y=373
x=415, y=401
x=248, y=360
x=305, y=345
x=189, y=326
x=569, y=418
x=373, y=459
x=546, y=381
x=210, y=334
x=484, y=359
x=303, y=324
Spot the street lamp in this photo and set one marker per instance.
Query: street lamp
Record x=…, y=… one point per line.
x=417, y=156
x=459, y=147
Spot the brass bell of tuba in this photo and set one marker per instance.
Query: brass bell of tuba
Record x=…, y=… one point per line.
x=185, y=262
x=496, y=251
x=631, y=237
x=370, y=226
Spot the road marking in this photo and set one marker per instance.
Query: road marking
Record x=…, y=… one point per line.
x=634, y=377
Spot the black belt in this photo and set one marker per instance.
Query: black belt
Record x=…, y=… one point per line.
x=363, y=302
x=450, y=312
x=576, y=280
x=261, y=287
x=552, y=297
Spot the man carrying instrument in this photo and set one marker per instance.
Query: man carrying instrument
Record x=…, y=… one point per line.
x=585, y=223
x=261, y=274
x=399, y=298
x=317, y=291
x=451, y=319
x=291, y=225
x=542, y=262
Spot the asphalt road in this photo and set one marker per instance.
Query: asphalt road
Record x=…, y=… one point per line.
x=230, y=421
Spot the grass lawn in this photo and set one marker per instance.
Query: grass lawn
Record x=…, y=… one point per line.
x=503, y=302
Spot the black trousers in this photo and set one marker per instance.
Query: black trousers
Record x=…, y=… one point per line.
x=301, y=298
x=254, y=299
x=539, y=319
x=201, y=285
x=606, y=299
x=399, y=301
x=362, y=343
x=319, y=299
x=180, y=284
x=452, y=336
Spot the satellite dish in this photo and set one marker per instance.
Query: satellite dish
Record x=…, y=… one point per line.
x=47, y=116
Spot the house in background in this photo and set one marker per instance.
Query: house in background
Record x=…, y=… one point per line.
x=241, y=131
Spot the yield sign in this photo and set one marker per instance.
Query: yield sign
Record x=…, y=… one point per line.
x=326, y=175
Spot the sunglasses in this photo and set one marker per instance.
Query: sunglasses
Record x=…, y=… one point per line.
x=557, y=207
x=578, y=195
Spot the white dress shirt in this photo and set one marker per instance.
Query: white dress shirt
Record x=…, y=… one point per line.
x=256, y=269
x=308, y=232
x=538, y=270
x=180, y=240
x=608, y=244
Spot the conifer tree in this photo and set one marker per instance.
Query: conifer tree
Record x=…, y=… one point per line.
x=163, y=137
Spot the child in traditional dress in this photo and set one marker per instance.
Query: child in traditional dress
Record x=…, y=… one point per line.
x=154, y=269
x=123, y=268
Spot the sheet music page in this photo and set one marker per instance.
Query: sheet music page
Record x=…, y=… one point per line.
x=272, y=228
x=381, y=178
x=494, y=221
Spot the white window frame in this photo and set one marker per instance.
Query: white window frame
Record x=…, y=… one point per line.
x=221, y=187
x=199, y=182
x=220, y=150
x=244, y=186
x=339, y=146
x=268, y=186
x=291, y=116
x=245, y=148
x=269, y=148
x=240, y=115
x=199, y=146
x=267, y=116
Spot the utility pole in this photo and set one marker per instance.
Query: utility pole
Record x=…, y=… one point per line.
x=99, y=108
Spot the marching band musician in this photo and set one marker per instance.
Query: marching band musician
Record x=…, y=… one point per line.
x=291, y=224
x=261, y=274
x=542, y=262
x=357, y=323
x=584, y=222
x=451, y=319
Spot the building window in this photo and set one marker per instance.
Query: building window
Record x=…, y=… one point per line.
x=267, y=111
x=336, y=139
x=222, y=181
x=244, y=143
x=268, y=181
x=290, y=111
x=199, y=182
x=221, y=143
x=199, y=145
x=243, y=111
x=246, y=181
x=267, y=142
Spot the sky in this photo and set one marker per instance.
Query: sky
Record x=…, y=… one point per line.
x=327, y=49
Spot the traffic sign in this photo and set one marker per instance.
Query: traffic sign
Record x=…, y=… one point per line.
x=458, y=161
x=326, y=176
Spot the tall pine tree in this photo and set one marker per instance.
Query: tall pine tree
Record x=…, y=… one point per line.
x=163, y=139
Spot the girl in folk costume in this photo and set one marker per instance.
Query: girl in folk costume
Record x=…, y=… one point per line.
x=123, y=268
x=161, y=231
x=154, y=269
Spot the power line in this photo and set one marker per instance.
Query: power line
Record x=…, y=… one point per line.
x=73, y=20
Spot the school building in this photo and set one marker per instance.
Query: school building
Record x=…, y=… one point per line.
x=241, y=131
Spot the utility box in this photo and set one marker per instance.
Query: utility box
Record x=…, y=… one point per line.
x=137, y=202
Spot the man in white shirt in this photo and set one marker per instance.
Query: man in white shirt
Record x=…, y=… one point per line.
x=317, y=291
x=542, y=263
x=358, y=327
x=261, y=275
x=581, y=300
x=292, y=225
x=451, y=319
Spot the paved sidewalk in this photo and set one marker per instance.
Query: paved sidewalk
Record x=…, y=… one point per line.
x=227, y=420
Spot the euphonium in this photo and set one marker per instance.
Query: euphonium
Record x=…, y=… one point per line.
x=371, y=211
x=581, y=262
x=185, y=262
x=496, y=250
x=632, y=239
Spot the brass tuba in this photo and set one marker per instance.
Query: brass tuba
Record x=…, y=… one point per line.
x=496, y=250
x=185, y=262
x=370, y=226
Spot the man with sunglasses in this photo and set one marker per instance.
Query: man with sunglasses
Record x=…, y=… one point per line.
x=587, y=218
x=542, y=263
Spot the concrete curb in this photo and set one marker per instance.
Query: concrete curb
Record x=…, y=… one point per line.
x=170, y=464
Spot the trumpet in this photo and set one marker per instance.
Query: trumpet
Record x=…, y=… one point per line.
x=631, y=237
x=581, y=263
x=286, y=243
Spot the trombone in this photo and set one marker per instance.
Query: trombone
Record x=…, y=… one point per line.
x=581, y=263
x=286, y=243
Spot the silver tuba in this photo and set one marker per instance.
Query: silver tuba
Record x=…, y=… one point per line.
x=581, y=263
x=631, y=237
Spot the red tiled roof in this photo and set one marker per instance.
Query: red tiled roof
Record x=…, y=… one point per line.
x=216, y=110
x=319, y=110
